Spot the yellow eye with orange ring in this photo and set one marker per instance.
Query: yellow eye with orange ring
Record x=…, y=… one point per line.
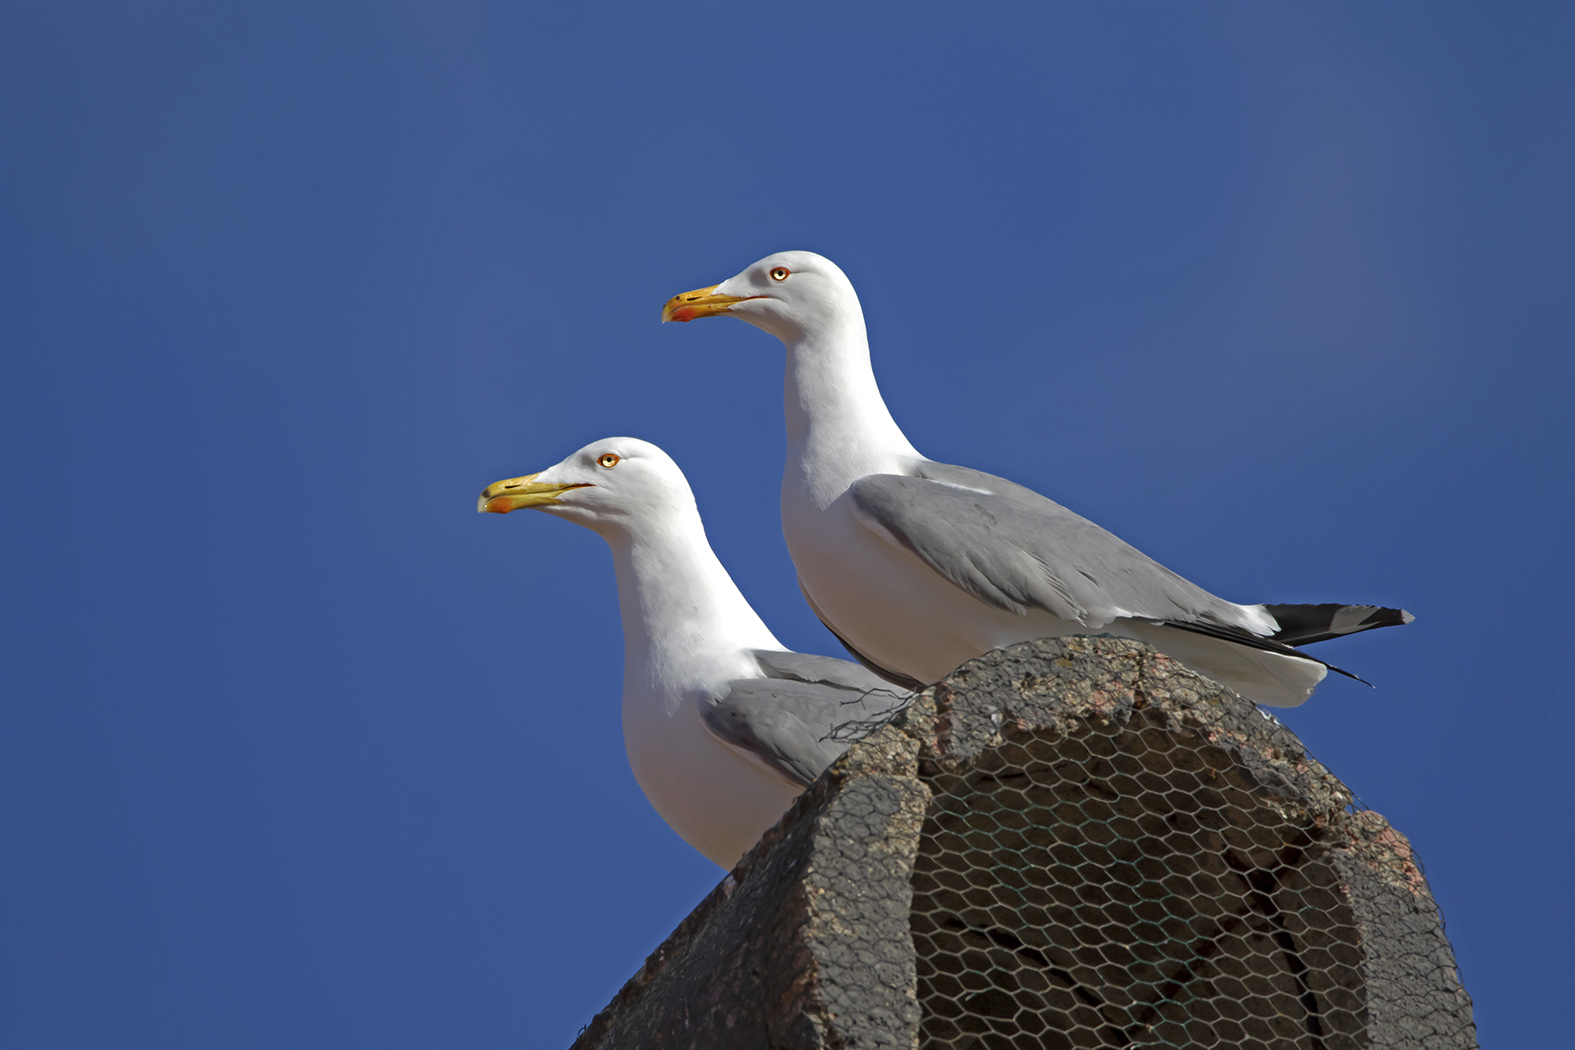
x=780, y=273
x=607, y=459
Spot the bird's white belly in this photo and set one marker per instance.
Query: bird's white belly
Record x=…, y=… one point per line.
x=892, y=607
x=718, y=801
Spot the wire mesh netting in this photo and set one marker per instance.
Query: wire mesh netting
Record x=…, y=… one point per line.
x=1127, y=885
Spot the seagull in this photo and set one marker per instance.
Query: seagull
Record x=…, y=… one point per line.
x=723, y=725
x=917, y=566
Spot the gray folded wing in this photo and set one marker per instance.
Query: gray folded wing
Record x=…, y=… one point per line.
x=804, y=713
x=1014, y=549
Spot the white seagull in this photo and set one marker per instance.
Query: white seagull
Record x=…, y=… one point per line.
x=723, y=726
x=918, y=566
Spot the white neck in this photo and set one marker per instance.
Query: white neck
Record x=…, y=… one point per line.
x=684, y=620
x=838, y=426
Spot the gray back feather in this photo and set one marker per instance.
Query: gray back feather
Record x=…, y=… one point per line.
x=1014, y=549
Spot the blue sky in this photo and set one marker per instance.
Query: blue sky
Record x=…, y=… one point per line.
x=298, y=750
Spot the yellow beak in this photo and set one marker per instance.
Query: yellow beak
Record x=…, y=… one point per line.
x=702, y=302
x=500, y=497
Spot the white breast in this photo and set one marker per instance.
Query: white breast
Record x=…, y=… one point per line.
x=718, y=801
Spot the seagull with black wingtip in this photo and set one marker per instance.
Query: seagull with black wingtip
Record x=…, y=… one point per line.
x=917, y=566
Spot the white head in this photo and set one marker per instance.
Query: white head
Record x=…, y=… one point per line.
x=614, y=486
x=792, y=295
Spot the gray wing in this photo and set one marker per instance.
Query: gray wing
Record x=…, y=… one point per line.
x=1014, y=549
x=804, y=713
x=822, y=670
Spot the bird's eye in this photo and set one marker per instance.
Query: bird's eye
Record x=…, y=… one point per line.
x=607, y=459
x=780, y=273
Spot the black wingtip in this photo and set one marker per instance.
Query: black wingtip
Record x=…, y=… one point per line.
x=1305, y=624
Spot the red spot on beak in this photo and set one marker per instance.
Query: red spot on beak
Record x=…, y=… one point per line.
x=684, y=313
